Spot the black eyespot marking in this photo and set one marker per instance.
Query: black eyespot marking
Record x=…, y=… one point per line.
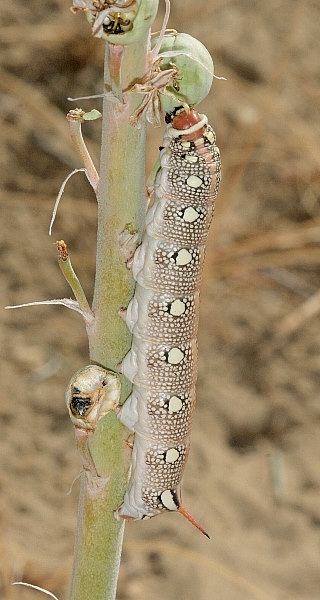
x=174, y=256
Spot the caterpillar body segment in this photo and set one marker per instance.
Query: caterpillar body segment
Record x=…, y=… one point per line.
x=163, y=317
x=166, y=417
x=163, y=312
x=162, y=366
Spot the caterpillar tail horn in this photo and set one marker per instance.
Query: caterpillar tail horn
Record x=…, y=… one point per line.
x=187, y=515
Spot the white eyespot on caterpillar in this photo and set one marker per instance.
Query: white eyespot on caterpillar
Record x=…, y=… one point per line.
x=175, y=356
x=177, y=308
x=191, y=158
x=210, y=136
x=168, y=500
x=172, y=455
x=183, y=257
x=190, y=215
x=91, y=394
x=194, y=182
x=175, y=404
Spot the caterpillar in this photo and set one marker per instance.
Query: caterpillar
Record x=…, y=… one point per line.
x=163, y=316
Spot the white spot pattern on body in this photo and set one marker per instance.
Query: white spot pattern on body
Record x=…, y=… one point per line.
x=175, y=404
x=210, y=136
x=194, y=181
x=191, y=158
x=184, y=257
x=177, y=308
x=168, y=500
x=175, y=356
x=190, y=215
x=172, y=455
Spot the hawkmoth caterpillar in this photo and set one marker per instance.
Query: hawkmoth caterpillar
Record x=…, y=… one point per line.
x=163, y=316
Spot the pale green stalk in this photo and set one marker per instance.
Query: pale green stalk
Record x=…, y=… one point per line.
x=69, y=274
x=121, y=207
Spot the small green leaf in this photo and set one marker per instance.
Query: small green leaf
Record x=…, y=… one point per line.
x=92, y=115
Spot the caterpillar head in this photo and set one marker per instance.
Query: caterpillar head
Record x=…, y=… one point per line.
x=91, y=394
x=187, y=124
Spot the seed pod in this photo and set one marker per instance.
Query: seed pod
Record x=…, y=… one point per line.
x=195, y=70
x=123, y=21
x=91, y=394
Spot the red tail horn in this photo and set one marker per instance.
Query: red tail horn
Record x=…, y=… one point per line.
x=187, y=515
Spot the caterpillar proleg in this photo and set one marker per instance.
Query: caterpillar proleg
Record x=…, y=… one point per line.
x=163, y=316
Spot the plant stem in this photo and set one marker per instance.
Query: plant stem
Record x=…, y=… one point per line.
x=75, y=118
x=120, y=204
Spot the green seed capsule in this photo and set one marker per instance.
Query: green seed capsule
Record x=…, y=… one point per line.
x=123, y=26
x=195, y=70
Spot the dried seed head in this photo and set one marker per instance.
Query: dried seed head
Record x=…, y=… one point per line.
x=62, y=249
x=91, y=394
x=118, y=21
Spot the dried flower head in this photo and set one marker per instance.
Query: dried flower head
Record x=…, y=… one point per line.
x=107, y=16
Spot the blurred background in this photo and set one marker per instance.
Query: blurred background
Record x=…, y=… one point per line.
x=252, y=478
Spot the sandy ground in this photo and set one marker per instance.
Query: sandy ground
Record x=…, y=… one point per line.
x=253, y=474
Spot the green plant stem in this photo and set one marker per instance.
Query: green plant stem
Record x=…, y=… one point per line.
x=75, y=118
x=120, y=203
